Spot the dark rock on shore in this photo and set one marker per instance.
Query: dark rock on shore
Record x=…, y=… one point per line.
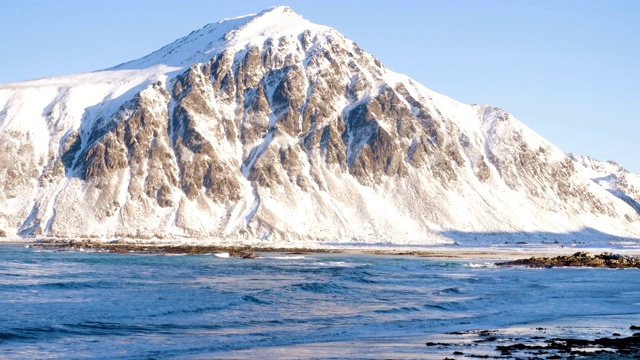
x=622, y=346
x=121, y=246
x=244, y=255
x=579, y=259
x=495, y=344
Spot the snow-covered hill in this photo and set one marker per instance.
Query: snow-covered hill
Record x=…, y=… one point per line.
x=268, y=127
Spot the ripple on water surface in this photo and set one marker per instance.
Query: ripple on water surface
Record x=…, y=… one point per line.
x=92, y=304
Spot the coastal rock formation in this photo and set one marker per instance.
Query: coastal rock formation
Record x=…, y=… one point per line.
x=270, y=128
x=579, y=259
x=536, y=343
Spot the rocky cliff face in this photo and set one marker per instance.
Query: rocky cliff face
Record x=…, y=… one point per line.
x=268, y=127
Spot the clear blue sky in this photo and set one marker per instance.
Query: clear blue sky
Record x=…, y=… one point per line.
x=568, y=69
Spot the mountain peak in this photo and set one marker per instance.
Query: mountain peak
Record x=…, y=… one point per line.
x=242, y=31
x=267, y=127
x=279, y=10
x=275, y=14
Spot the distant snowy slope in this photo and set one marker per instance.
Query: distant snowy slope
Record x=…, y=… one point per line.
x=270, y=128
x=612, y=177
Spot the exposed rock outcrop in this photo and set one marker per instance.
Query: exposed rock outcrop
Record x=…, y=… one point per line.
x=579, y=259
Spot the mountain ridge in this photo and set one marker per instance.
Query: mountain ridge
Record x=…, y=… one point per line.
x=295, y=134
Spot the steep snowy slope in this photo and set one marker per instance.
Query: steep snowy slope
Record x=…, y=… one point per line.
x=269, y=127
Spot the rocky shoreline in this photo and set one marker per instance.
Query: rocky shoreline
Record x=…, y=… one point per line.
x=237, y=250
x=579, y=259
x=538, y=345
x=121, y=247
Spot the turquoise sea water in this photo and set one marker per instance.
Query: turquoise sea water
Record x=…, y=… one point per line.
x=62, y=304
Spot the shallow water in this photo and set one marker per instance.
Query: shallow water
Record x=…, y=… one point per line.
x=62, y=304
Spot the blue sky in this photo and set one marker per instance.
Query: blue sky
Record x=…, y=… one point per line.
x=570, y=70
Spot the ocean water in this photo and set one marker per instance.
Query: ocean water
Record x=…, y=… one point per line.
x=65, y=304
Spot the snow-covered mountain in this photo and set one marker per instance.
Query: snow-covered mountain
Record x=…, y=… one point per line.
x=269, y=127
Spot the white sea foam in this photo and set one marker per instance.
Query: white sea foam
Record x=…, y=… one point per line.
x=480, y=265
